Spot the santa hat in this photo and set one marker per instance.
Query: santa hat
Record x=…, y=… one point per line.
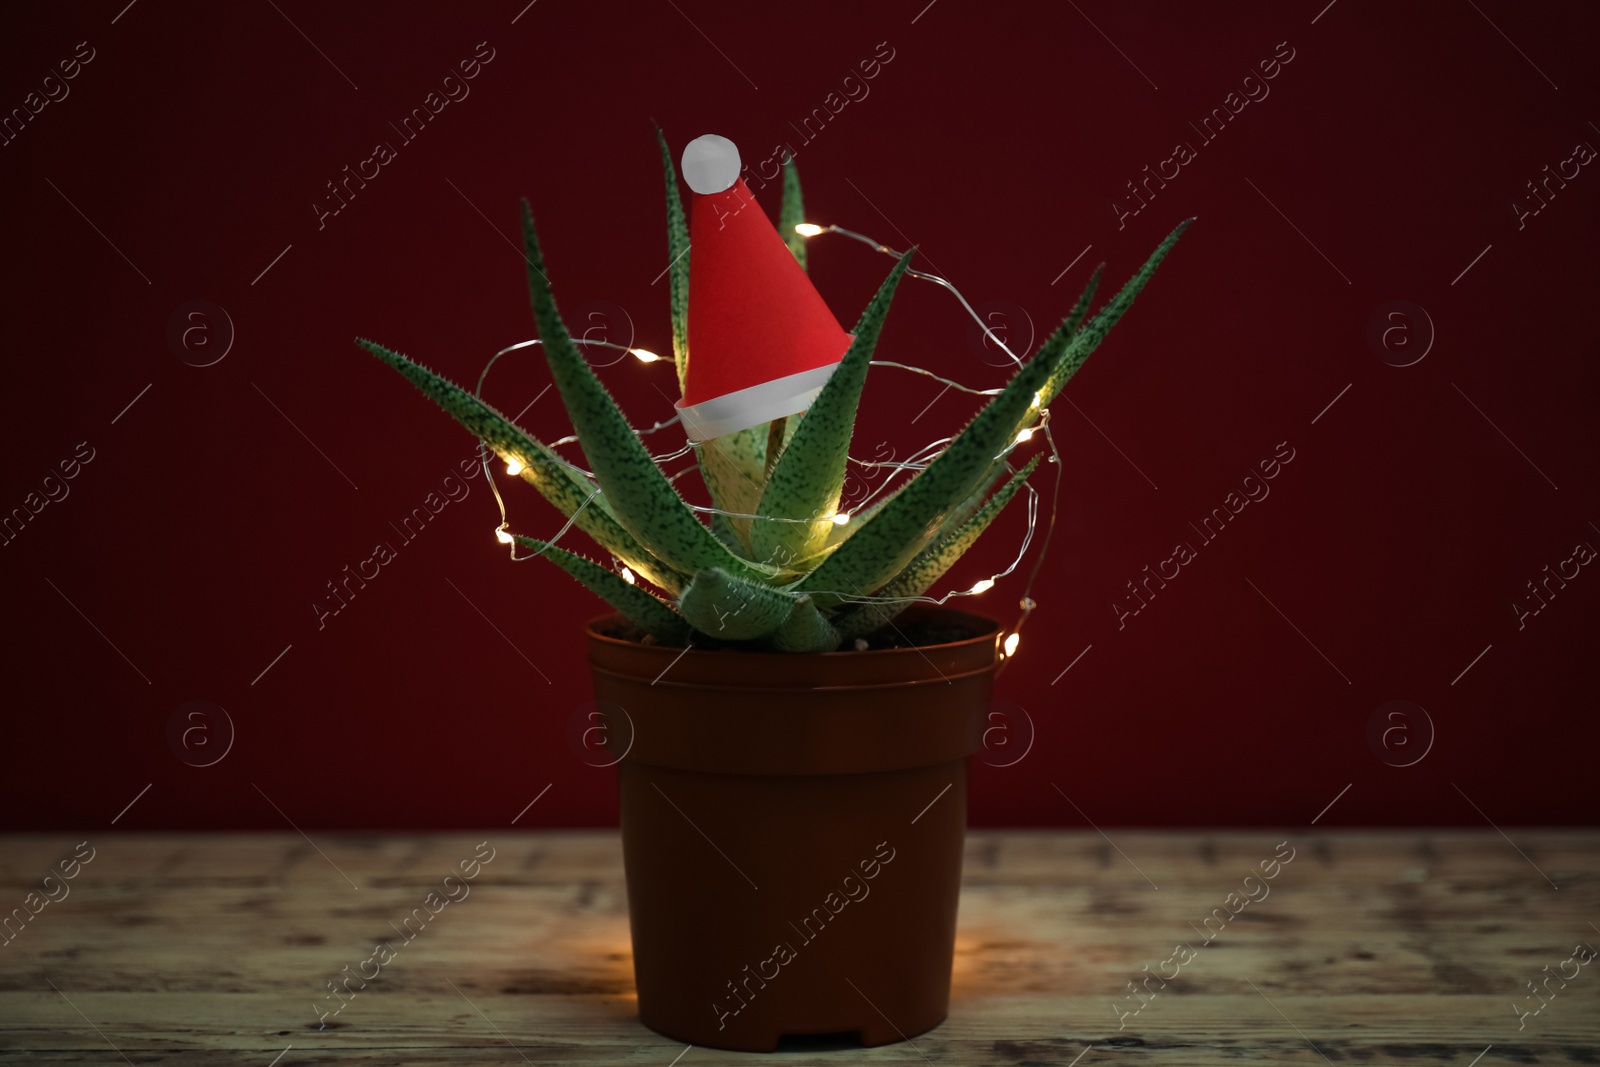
x=762, y=342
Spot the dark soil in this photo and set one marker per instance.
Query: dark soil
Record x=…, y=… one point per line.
x=910, y=630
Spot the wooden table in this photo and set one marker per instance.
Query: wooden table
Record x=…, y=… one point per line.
x=1405, y=948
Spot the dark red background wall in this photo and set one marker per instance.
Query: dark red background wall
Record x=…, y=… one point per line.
x=1383, y=165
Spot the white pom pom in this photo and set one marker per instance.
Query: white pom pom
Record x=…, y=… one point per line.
x=710, y=164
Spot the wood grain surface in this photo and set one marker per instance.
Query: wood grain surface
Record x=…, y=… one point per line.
x=1403, y=948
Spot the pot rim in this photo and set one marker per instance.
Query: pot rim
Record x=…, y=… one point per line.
x=990, y=630
x=944, y=678
x=777, y=714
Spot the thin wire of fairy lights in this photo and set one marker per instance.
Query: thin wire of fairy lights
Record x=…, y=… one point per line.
x=917, y=461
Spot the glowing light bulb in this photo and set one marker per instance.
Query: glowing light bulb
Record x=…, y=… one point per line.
x=503, y=537
x=1011, y=644
x=1038, y=399
x=982, y=585
x=513, y=466
x=1025, y=434
x=644, y=355
x=840, y=518
x=627, y=575
x=807, y=229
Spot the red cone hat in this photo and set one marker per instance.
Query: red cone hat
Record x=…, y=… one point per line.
x=761, y=340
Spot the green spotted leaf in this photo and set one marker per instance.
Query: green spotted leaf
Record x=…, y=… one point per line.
x=678, y=262
x=930, y=564
x=810, y=473
x=722, y=605
x=793, y=212
x=557, y=481
x=1073, y=325
x=805, y=630
x=960, y=514
x=910, y=519
x=858, y=518
x=642, y=499
x=913, y=517
x=643, y=609
x=1081, y=309
x=733, y=468
x=1094, y=331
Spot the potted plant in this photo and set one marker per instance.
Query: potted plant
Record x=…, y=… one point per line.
x=791, y=716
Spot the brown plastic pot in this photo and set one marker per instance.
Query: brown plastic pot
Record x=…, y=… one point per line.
x=792, y=831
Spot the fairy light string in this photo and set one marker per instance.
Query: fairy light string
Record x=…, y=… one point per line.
x=917, y=461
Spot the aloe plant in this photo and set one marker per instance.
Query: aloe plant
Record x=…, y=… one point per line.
x=776, y=567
